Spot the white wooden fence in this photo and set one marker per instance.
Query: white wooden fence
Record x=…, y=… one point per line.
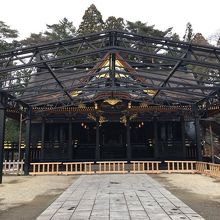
x=13, y=167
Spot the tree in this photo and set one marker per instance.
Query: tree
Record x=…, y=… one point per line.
x=34, y=39
x=113, y=23
x=215, y=38
x=7, y=36
x=92, y=21
x=188, y=36
x=208, y=74
x=200, y=39
x=7, y=41
x=64, y=29
x=139, y=27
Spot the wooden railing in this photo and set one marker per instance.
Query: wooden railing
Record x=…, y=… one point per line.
x=202, y=167
x=46, y=168
x=181, y=166
x=145, y=166
x=214, y=170
x=78, y=168
x=122, y=167
x=13, y=167
x=111, y=167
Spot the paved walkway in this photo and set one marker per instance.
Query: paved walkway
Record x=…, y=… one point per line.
x=128, y=196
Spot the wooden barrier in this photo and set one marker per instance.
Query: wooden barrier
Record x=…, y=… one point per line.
x=181, y=166
x=145, y=166
x=111, y=167
x=202, y=167
x=13, y=167
x=214, y=170
x=105, y=167
x=78, y=168
x=46, y=168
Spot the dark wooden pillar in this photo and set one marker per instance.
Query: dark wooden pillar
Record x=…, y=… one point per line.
x=2, y=135
x=70, y=139
x=27, y=143
x=97, y=148
x=197, y=132
x=128, y=140
x=156, y=150
x=182, y=122
x=43, y=138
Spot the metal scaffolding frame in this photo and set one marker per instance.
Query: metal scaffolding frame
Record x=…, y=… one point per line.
x=154, y=70
x=110, y=64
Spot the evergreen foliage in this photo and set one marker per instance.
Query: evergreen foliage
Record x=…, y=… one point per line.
x=139, y=27
x=92, y=21
x=64, y=29
x=188, y=36
x=113, y=23
x=7, y=37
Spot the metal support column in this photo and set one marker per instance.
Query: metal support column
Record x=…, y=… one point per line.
x=197, y=132
x=43, y=138
x=182, y=122
x=97, y=148
x=156, y=150
x=218, y=94
x=20, y=136
x=211, y=142
x=112, y=67
x=70, y=139
x=128, y=140
x=2, y=134
x=27, y=142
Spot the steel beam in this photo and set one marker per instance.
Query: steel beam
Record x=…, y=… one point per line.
x=182, y=122
x=43, y=125
x=70, y=139
x=198, y=133
x=128, y=140
x=112, y=42
x=170, y=74
x=97, y=148
x=27, y=142
x=156, y=146
x=2, y=135
x=112, y=69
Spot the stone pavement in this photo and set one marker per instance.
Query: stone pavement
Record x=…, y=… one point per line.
x=117, y=196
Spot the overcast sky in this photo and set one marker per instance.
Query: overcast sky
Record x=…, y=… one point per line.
x=32, y=15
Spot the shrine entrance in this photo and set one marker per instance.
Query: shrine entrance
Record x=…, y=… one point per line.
x=113, y=141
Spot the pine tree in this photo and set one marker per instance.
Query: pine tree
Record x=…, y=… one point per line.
x=199, y=39
x=7, y=37
x=64, y=29
x=34, y=39
x=92, y=21
x=113, y=23
x=188, y=36
x=7, y=41
x=139, y=27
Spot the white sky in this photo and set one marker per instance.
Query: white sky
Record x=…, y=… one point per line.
x=32, y=15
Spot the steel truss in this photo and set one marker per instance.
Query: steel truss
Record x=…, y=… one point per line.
x=111, y=64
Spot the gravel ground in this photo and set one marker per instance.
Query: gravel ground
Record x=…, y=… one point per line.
x=201, y=193
x=30, y=195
